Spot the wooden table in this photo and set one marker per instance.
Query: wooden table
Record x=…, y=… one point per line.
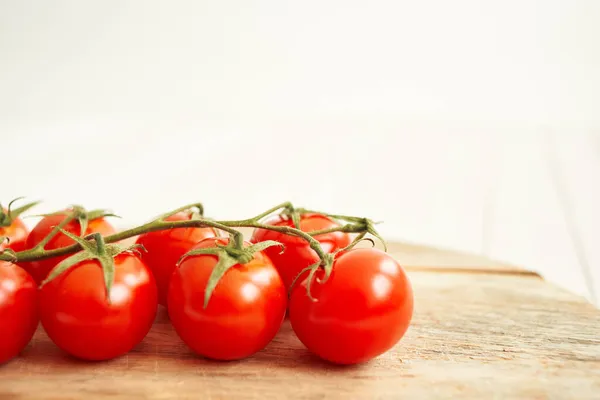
x=481, y=330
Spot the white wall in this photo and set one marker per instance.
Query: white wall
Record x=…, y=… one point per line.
x=469, y=125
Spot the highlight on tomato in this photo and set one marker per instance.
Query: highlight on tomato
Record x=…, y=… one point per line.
x=85, y=321
x=297, y=254
x=243, y=312
x=362, y=310
x=93, y=222
x=165, y=248
x=18, y=310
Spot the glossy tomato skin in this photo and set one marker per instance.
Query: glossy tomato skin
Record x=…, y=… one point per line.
x=40, y=269
x=17, y=233
x=297, y=253
x=77, y=317
x=360, y=312
x=18, y=310
x=165, y=248
x=244, y=313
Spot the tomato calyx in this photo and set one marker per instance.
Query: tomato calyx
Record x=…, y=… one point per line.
x=228, y=255
x=81, y=215
x=94, y=248
x=364, y=226
x=7, y=218
x=325, y=264
x=356, y=224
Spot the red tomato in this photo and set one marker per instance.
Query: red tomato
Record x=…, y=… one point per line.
x=244, y=313
x=17, y=233
x=40, y=269
x=18, y=310
x=78, y=318
x=165, y=248
x=297, y=253
x=361, y=311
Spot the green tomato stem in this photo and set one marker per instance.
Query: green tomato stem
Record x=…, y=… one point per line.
x=70, y=217
x=286, y=205
x=313, y=243
x=159, y=224
x=348, y=228
x=187, y=207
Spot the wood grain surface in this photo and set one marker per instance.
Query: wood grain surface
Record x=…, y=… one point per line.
x=475, y=334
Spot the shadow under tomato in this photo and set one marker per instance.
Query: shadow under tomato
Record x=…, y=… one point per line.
x=287, y=352
x=162, y=349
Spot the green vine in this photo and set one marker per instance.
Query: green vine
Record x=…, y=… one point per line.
x=232, y=253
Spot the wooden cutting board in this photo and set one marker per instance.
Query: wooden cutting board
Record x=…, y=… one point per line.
x=481, y=329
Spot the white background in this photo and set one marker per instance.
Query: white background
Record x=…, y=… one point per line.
x=466, y=124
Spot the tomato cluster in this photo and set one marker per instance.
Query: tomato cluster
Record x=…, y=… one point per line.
x=361, y=308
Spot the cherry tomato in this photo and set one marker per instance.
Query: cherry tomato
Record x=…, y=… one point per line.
x=165, y=248
x=17, y=233
x=361, y=311
x=244, y=313
x=18, y=310
x=297, y=253
x=40, y=269
x=78, y=318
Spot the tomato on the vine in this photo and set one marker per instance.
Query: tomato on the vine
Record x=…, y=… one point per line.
x=362, y=310
x=165, y=248
x=297, y=253
x=79, y=319
x=16, y=233
x=18, y=310
x=244, y=313
x=40, y=269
